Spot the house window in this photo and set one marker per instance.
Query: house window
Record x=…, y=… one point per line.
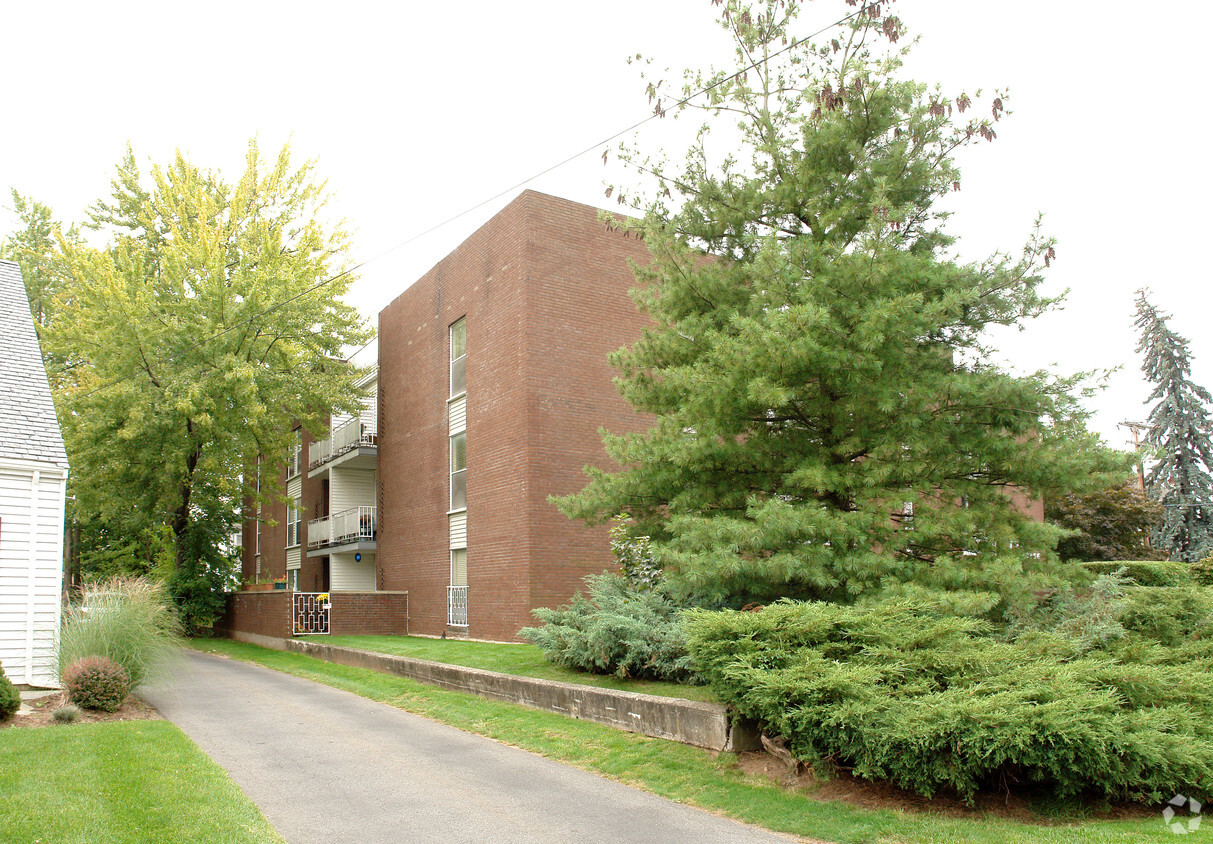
x=459, y=567
x=294, y=459
x=294, y=521
x=459, y=488
x=459, y=358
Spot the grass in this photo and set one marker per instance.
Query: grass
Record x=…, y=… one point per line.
x=119, y=781
x=521, y=659
x=687, y=774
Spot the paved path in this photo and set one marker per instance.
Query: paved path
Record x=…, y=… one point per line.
x=327, y=766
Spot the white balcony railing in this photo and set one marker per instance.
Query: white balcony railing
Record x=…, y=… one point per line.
x=357, y=524
x=349, y=435
x=457, y=606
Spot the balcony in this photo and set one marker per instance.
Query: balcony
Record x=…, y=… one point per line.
x=349, y=440
x=352, y=528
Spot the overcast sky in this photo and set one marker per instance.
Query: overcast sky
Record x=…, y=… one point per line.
x=417, y=112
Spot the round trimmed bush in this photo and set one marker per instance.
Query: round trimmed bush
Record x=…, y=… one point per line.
x=10, y=698
x=97, y=682
x=66, y=714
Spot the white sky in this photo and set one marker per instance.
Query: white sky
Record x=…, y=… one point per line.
x=416, y=113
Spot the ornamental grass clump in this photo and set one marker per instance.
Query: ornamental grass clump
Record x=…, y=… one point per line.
x=97, y=682
x=131, y=621
x=902, y=692
x=66, y=714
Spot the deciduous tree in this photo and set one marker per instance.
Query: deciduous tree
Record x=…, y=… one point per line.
x=192, y=342
x=829, y=419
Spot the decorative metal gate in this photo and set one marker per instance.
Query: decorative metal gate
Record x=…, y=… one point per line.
x=311, y=613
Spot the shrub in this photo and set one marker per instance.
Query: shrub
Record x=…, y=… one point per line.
x=902, y=692
x=622, y=629
x=10, y=698
x=1202, y=571
x=1146, y=572
x=66, y=714
x=130, y=621
x=97, y=682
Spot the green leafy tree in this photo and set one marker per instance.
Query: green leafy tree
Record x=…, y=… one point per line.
x=34, y=248
x=1179, y=437
x=1113, y=523
x=829, y=422
x=190, y=343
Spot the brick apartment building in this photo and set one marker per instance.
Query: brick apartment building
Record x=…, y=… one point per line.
x=490, y=391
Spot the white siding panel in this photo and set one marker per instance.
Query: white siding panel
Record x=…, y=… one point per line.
x=351, y=488
x=459, y=530
x=294, y=487
x=293, y=558
x=31, y=572
x=370, y=409
x=345, y=575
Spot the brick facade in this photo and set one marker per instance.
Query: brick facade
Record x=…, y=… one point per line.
x=543, y=287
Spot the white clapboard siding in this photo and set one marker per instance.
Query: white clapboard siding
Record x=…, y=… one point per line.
x=351, y=488
x=31, y=571
x=370, y=410
x=346, y=575
x=459, y=530
x=293, y=558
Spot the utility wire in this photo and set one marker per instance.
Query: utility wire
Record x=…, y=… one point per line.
x=658, y=112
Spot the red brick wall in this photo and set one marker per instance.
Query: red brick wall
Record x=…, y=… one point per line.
x=263, y=613
x=369, y=613
x=352, y=613
x=544, y=288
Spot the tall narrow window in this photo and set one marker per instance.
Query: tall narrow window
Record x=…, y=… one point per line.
x=294, y=521
x=459, y=358
x=459, y=466
x=294, y=459
x=459, y=567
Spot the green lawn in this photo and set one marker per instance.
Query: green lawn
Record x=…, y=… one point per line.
x=683, y=773
x=136, y=781
x=521, y=659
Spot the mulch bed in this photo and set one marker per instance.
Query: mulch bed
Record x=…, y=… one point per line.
x=42, y=710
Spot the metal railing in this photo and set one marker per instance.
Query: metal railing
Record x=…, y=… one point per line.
x=310, y=613
x=457, y=606
x=357, y=524
x=349, y=435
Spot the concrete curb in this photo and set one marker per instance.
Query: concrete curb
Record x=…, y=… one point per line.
x=707, y=725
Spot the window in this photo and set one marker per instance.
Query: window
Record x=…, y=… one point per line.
x=459, y=488
x=295, y=456
x=459, y=358
x=459, y=567
x=294, y=521
x=907, y=515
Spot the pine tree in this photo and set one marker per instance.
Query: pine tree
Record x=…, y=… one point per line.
x=829, y=422
x=1179, y=436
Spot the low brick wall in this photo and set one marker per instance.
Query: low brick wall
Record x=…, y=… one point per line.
x=369, y=613
x=706, y=725
x=259, y=613
x=268, y=614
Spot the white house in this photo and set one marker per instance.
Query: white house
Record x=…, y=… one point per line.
x=33, y=489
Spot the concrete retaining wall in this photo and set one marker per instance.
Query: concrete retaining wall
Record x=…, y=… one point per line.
x=690, y=722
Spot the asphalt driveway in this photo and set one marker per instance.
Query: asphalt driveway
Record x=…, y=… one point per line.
x=327, y=766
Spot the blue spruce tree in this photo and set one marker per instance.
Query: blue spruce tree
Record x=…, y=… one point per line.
x=1179, y=435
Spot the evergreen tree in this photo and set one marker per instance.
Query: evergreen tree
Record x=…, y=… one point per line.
x=1179, y=437
x=829, y=422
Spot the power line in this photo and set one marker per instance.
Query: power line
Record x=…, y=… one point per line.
x=658, y=112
